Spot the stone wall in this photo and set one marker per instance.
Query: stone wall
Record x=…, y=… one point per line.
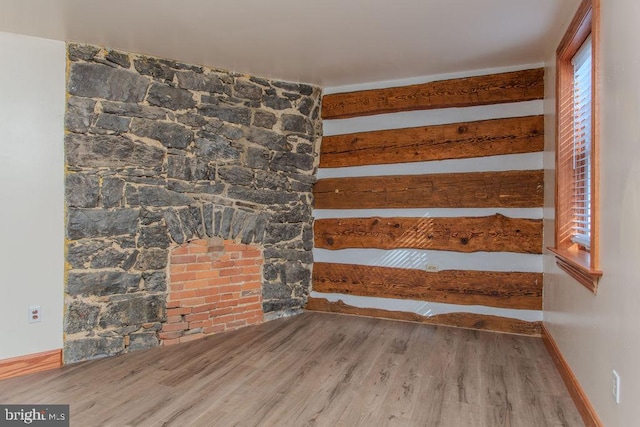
x=159, y=153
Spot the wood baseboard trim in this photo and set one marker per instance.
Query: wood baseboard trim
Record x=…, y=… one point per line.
x=587, y=411
x=31, y=363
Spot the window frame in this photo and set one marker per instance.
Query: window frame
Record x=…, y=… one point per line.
x=576, y=260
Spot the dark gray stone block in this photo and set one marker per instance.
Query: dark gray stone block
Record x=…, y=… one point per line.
x=292, y=162
x=143, y=340
x=92, y=348
x=80, y=114
x=238, y=115
x=170, y=97
x=120, y=58
x=111, y=123
x=82, y=190
x=101, y=81
x=171, y=135
x=275, y=291
x=173, y=225
x=159, y=196
x=276, y=102
x=110, y=151
x=81, y=52
x=264, y=119
x=153, y=67
x=201, y=82
x=101, y=282
x=80, y=317
x=155, y=236
x=297, y=124
x=235, y=175
x=155, y=281
x=133, y=310
x=263, y=197
x=246, y=90
x=112, y=192
x=271, y=140
x=152, y=259
x=134, y=110
x=112, y=258
x=80, y=252
x=83, y=223
x=257, y=158
x=218, y=149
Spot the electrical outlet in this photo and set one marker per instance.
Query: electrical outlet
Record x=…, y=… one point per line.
x=431, y=267
x=35, y=314
x=616, y=386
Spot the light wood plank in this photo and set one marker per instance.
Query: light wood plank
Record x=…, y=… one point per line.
x=514, y=290
x=510, y=189
x=314, y=369
x=458, y=320
x=440, y=142
x=496, y=233
x=513, y=86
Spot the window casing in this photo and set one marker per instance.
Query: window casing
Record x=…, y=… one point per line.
x=576, y=245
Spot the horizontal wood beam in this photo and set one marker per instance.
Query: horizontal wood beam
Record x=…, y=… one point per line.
x=440, y=142
x=467, y=287
x=459, y=320
x=510, y=189
x=499, y=88
x=496, y=233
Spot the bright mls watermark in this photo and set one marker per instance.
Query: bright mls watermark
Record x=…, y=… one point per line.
x=36, y=415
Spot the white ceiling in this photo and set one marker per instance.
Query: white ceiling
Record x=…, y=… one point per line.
x=326, y=42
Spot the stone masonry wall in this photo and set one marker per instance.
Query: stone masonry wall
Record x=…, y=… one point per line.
x=159, y=153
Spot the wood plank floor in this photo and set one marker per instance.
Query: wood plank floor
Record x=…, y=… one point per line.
x=316, y=369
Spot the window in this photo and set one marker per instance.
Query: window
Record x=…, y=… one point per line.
x=576, y=246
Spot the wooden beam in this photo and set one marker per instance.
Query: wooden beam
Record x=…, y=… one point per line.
x=489, y=288
x=496, y=233
x=419, y=144
x=31, y=363
x=510, y=189
x=586, y=410
x=500, y=88
x=459, y=320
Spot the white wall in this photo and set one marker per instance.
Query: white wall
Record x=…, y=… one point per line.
x=597, y=334
x=32, y=100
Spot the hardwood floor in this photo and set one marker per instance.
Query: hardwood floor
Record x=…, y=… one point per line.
x=316, y=369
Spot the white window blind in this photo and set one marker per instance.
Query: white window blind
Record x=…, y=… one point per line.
x=582, y=81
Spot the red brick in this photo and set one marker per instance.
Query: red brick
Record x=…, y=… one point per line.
x=212, y=299
x=170, y=335
x=253, y=306
x=178, y=311
x=181, y=250
x=249, y=300
x=199, y=266
x=251, y=254
x=203, y=308
x=223, y=264
x=227, y=303
x=171, y=303
x=251, y=270
x=174, y=319
x=197, y=249
x=236, y=324
x=181, y=268
x=192, y=302
x=220, y=312
x=202, y=258
x=182, y=277
x=245, y=315
x=171, y=341
x=183, y=259
x=230, y=288
x=196, y=316
x=235, y=247
x=222, y=319
x=201, y=324
x=196, y=284
x=251, y=285
x=182, y=326
x=204, y=292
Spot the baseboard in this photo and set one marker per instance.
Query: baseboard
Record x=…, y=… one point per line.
x=30, y=363
x=587, y=412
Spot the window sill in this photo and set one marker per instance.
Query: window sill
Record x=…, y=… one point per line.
x=578, y=265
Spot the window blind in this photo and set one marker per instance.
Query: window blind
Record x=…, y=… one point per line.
x=582, y=81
